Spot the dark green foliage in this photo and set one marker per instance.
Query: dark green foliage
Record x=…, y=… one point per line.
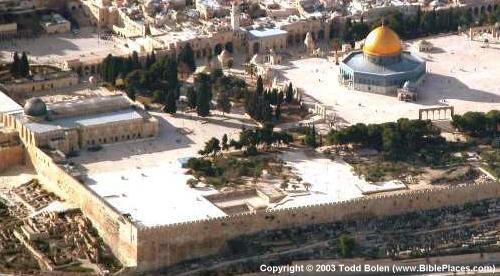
x=277, y=112
x=258, y=103
x=424, y=23
x=186, y=56
x=212, y=147
x=223, y=102
x=191, y=97
x=156, y=75
x=249, y=139
x=225, y=144
x=20, y=67
x=310, y=138
x=259, y=90
x=204, y=167
x=289, y=93
x=398, y=140
x=24, y=66
x=478, y=124
x=346, y=246
x=170, y=103
x=203, y=94
x=15, y=65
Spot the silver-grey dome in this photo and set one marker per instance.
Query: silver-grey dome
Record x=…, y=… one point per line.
x=35, y=107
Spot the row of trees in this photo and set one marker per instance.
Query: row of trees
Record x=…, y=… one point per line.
x=20, y=66
x=424, y=23
x=478, y=124
x=249, y=140
x=259, y=104
x=399, y=140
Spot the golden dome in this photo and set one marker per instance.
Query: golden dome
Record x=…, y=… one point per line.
x=382, y=41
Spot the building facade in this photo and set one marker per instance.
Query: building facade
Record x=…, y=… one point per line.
x=382, y=66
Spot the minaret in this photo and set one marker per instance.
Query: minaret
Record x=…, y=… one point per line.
x=235, y=16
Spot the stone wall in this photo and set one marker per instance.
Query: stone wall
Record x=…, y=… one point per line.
x=11, y=156
x=116, y=230
x=166, y=245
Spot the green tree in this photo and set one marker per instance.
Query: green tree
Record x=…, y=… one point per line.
x=223, y=102
x=186, y=56
x=170, y=104
x=346, y=246
x=225, y=144
x=289, y=93
x=310, y=138
x=15, y=66
x=136, y=64
x=191, y=97
x=24, y=66
x=277, y=112
x=158, y=96
x=203, y=94
x=259, y=90
x=212, y=147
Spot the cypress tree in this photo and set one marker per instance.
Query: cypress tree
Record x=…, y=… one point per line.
x=14, y=67
x=191, y=97
x=289, y=93
x=153, y=57
x=135, y=60
x=186, y=56
x=24, y=67
x=203, y=95
x=170, y=105
x=260, y=86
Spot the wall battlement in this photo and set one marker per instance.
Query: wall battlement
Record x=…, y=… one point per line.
x=152, y=248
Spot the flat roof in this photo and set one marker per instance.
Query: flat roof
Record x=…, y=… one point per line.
x=154, y=195
x=8, y=105
x=91, y=120
x=262, y=33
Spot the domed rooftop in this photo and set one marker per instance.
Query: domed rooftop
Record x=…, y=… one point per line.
x=382, y=41
x=35, y=107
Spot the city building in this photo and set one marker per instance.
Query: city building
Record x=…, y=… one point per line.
x=382, y=66
x=71, y=126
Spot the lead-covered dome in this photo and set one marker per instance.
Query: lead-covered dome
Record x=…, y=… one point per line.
x=35, y=107
x=382, y=42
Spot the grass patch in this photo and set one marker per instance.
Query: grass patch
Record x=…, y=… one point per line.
x=492, y=160
x=376, y=169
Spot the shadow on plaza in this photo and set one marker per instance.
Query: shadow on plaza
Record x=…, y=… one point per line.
x=169, y=138
x=438, y=87
x=218, y=120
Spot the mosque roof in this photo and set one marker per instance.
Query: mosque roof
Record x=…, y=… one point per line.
x=35, y=107
x=358, y=63
x=382, y=41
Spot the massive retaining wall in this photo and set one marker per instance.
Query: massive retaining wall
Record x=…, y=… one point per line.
x=11, y=156
x=165, y=245
x=117, y=231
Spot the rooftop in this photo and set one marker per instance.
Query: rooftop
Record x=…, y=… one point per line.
x=357, y=62
x=154, y=196
x=261, y=33
x=73, y=122
x=8, y=105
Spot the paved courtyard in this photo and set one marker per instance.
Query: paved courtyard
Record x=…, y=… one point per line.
x=145, y=178
x=460, y=73
x=53, y=49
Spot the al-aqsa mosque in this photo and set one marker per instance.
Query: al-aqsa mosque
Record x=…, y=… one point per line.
x=382, y=66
